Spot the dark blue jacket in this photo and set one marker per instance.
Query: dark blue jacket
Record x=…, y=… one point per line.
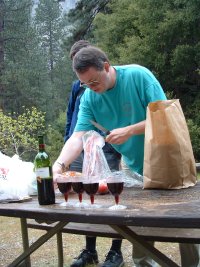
x=73, y=109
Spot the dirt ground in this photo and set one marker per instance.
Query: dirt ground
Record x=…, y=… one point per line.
x=46, y=255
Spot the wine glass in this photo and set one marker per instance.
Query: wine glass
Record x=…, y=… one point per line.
x=115, y=186
x=91, y=186
x=77, y=186
x=64, y=186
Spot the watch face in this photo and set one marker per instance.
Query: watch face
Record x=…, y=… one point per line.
x=63, y=167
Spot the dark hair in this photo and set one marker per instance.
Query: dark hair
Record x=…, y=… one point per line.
x=78, y=46
x=89, y=57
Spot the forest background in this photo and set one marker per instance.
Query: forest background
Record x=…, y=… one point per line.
x=36, y=73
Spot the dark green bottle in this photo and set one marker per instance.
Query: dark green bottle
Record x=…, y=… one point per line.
x=43, y=170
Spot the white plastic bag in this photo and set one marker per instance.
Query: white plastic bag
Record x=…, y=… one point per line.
x=16, y=177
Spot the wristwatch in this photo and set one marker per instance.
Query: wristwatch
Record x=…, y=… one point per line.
x=63, y=167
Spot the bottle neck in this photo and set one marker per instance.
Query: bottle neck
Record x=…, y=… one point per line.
x=41, y=147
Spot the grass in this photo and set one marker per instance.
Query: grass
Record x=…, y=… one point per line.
x=46, y=255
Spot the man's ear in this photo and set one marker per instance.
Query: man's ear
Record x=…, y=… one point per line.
x=106, y=66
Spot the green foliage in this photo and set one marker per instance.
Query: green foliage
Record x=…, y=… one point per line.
x=49, y=27
x=194, y=131
x=35, y=69
x=24, y=80
x=81, y=18
x=54, y=144
x=170, y=95
x=16, y=36
x=192, y=112
x=112, y=29
x=18, y=133
x=161, y=35
x=55, y=137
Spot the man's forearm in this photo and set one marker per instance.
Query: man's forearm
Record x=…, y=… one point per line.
x=71, y=150
x=136, y=129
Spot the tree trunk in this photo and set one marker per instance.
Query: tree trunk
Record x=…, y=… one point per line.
x=2, y=10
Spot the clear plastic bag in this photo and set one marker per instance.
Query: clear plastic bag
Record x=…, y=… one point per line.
x=130, y=178
x=95, y=166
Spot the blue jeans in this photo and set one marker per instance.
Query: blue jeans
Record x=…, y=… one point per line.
x=189, y=256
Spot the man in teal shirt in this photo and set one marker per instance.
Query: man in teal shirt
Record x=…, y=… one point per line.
x=121, y=106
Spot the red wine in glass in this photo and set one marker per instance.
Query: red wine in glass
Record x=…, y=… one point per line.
x=91, y=189
x=116, y=189
x=64, y=188
x=79, y=189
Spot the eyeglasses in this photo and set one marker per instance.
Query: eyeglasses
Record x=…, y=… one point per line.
x=92, y=83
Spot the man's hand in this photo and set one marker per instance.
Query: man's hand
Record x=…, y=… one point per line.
x=120, y=135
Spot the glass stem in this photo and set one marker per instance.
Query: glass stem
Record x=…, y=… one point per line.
x=117, y=199
x=92, y=199
x=66, y=196
x=80, y=197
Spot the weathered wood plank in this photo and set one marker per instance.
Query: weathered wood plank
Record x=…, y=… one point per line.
x=148, y=233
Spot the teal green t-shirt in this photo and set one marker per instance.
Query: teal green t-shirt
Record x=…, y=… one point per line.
x=123, y=105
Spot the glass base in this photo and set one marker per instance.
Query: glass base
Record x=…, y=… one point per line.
x=66, y=204
x=94, y=206
x=81, y=205
x=117, y=207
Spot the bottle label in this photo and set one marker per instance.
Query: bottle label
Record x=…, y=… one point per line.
x=43, y=173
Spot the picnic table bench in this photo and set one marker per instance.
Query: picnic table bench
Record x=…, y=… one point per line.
x=176, y=235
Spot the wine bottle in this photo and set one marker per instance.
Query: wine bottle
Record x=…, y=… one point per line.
x=43, y=170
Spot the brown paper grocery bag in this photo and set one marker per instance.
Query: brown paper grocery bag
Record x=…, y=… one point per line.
x=168, y=157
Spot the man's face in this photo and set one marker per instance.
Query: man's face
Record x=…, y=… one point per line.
x=97, y=80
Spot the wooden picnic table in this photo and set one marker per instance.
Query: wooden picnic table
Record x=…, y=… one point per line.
x=146, y=209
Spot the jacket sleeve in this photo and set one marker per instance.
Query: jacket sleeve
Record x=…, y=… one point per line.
x=70, y=110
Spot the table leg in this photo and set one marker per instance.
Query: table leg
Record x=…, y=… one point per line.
x=154, y=253
x=57, y=228
x=60, y=249
x=25, y=241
